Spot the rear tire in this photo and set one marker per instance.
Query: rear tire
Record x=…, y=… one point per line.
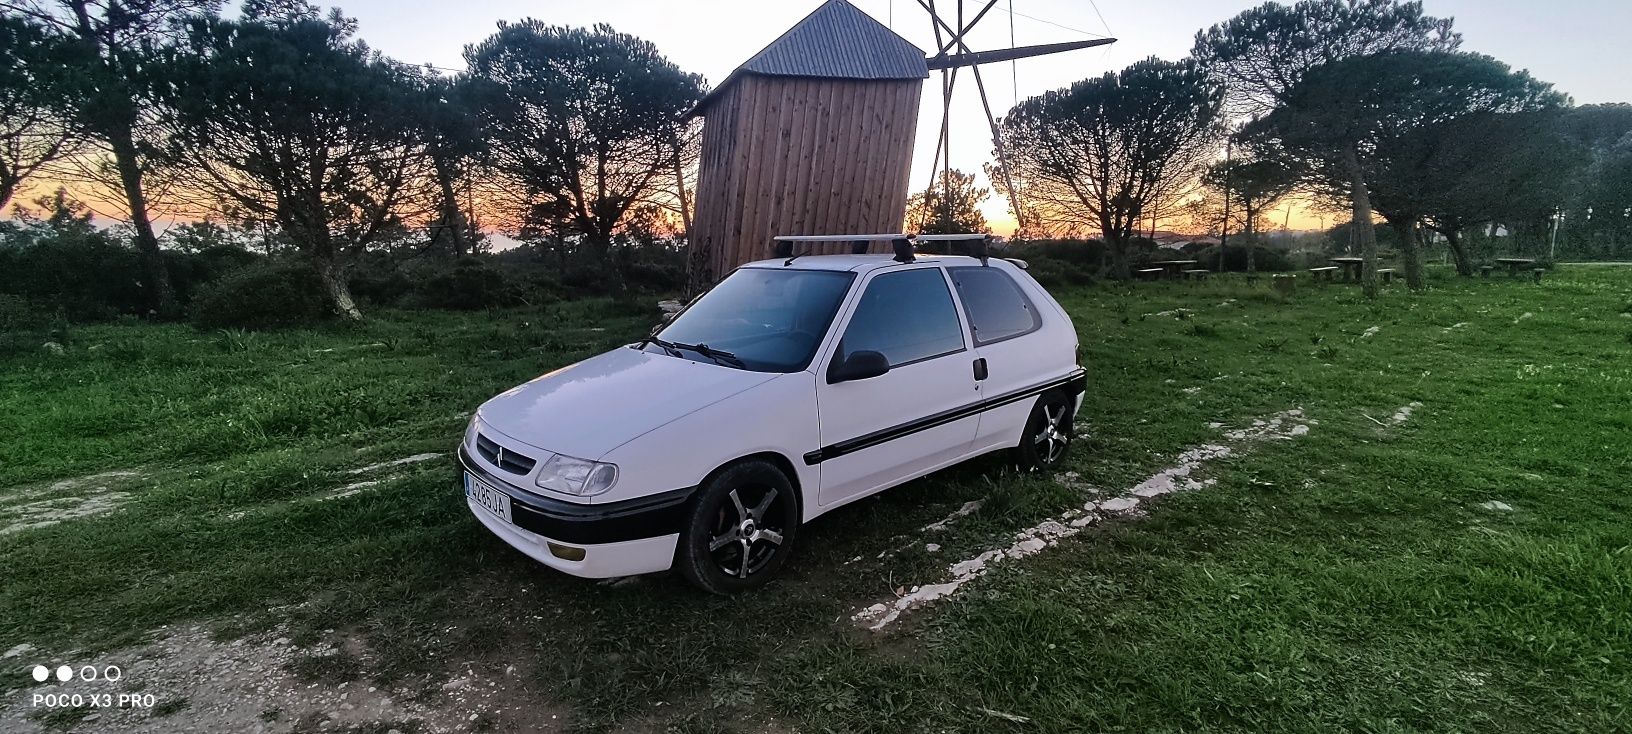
x=1048, y=434
x=740, y=528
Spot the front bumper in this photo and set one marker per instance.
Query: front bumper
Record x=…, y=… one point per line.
x=615, y=539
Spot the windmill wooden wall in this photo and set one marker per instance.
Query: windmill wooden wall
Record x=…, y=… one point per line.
x=789, y=155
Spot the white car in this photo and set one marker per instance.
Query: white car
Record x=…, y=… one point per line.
x=792, y=387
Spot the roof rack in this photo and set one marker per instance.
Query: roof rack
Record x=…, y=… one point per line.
x=904, y=252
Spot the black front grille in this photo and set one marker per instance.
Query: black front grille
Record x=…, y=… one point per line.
x=503, y=458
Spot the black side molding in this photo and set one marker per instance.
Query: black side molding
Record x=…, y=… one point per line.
x=1076, y=383
x=571, y=522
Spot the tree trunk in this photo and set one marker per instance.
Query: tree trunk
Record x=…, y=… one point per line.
x=1118, y=247
x=1406, y=231
x=453, y=218
x=1252, y=264
x=335, y=288
x=1453, y=241
x=156, y=279
x=1363, y=228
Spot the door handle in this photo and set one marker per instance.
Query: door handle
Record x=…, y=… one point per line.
x=980, y=369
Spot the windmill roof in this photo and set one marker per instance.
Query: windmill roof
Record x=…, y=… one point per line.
x=836, y=41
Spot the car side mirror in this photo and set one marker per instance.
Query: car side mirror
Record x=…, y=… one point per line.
x=863, y=365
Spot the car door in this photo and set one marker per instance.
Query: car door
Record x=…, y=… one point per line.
x=884, y=430
x=1003, y=325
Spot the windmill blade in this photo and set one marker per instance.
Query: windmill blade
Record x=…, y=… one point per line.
x=997, y=141
x=949, y=80
x=943, y=61
x=957, y=38
x=997, y=145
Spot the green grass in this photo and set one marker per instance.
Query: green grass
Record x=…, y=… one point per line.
x=1346, y=580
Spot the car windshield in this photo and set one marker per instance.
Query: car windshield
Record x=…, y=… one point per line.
x=770, y=319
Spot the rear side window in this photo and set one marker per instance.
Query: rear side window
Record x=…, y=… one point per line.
x=997, y=308
x=906, y=316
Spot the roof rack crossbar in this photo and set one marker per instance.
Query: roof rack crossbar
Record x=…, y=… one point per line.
x=782, y=245
x=841, y=237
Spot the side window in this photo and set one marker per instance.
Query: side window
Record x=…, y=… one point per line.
x=906, y=316
x=997, y=308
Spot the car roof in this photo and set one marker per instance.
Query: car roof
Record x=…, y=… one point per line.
x=858, y=263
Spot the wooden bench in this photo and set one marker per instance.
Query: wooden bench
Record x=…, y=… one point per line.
x=1484, y=271
x=1149, y=274
x=1538, y=272
x=1327, y=273
x=1388, y=275
x=1197, y=274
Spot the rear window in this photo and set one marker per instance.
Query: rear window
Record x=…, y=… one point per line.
x=997, y=308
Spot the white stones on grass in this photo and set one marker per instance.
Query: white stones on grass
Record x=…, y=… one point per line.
x=1496, y=506
x=1173, y=479
x=1404, y=413
x=350, y=490
x=1030, y=541
x=1371, y=332
x=67, y=499
x=967, y=509
x=415, y=459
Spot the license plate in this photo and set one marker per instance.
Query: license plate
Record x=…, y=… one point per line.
x=489, y=498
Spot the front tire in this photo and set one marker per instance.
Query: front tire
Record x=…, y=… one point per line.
x=1048, y=433
x=740, y=529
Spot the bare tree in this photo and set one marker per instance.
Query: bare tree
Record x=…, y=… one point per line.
x=1106, y=151
x=36, y=127
x=581, y=125
x=290, y=120
x=1263, y=55
x=1254, y=187
x=114, y=40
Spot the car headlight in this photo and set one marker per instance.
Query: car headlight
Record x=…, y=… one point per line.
x=567, y=475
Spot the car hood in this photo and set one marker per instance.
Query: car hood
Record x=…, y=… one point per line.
x=586, y=409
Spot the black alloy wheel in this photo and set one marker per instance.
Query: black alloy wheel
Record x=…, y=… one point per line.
x=740, y=529
x=1048, y=433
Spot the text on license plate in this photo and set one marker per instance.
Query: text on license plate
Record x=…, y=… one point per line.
x=489, y=498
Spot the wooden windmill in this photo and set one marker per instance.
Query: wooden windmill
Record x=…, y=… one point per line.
x=814, y=134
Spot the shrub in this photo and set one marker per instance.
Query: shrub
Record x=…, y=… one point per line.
x=657, y=277
x=470, y=285
x=1235, y=259
x=88, y=276
x=1053, y=273
x=24, y=326
x=1086, y=254
x=380, y=283
x=273, y=294
x=191, y=271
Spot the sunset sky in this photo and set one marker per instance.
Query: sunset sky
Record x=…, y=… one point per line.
x=1580, y=45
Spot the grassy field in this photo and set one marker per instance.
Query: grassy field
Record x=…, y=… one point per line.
x=1465, y=567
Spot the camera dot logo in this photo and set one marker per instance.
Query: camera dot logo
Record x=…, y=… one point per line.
x=41, y=673
x=65, y=673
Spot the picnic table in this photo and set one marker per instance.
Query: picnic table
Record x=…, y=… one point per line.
x=1173, y=268
x=1514, y=264
x=1351, y=266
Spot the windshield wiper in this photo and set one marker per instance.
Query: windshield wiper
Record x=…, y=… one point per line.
x=670, y=347
x=718, y=355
